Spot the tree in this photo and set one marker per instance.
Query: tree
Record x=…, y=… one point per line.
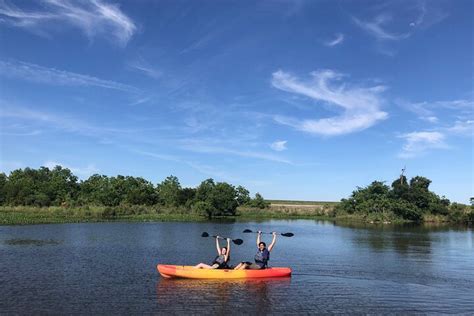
x=3, y=182
x=259, y=202
x=203, y=191
x=243, y=196
x=169, y=191
x=223, y=199
x=220, y=198
x=186, y=196
x=139, y=191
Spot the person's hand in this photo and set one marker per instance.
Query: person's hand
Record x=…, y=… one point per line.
x=228, y=239
x=274, y=233
x=259, y=232
x=218, y=237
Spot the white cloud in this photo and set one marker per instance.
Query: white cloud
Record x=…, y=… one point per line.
x=429, y=111
x=405, y=16
x=431, y=119
x=417, y=143
x=82, y=172
x=462, y=128
x=360, y=106
x=279, y=145
x=375, y=28
x=145, y=68
x=93, y=17
x=201, y=146
x=63, y=123
x=36, y=73
x=339, y=39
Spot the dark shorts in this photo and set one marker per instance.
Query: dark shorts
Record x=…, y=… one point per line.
x=253, y=266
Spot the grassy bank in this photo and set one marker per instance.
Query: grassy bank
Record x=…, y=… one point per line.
x=48, y=215
x=280, y=209
x=22, y=215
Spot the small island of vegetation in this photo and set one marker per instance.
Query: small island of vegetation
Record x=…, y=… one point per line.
x=32, y=196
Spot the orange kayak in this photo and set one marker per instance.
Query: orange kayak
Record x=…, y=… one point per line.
x=172, y=271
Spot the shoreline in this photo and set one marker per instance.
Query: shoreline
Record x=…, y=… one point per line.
x=62, y=215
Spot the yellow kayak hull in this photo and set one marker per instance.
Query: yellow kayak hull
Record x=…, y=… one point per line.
x=190, y=272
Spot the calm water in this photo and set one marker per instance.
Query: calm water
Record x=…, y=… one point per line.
x=111, y=268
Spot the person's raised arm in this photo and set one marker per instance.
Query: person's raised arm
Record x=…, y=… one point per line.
x=273, y=241
x=227, y=254
x=218, y=247
x=259, y=234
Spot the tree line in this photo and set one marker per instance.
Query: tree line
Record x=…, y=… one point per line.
x=406, y=200
x=58, y=186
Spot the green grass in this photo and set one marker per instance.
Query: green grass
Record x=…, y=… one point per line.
x=291, y=202
x=47, y=215
x=50, y=215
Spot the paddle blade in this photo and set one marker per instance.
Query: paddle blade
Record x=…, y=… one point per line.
x=288, y=234
x=248, y=231
x=204, y=234
x=238, y=241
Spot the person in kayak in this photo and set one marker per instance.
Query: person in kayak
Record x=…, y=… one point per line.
x=223, y=257
x=261, y=257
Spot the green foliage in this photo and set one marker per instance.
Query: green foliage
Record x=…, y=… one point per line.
x=243, y=196
x=42, y=187
x=401, y=200
x=169, y=191
x=215, y=199
x=204, y=208
x=3, y=182
x=120, y=195
x=224, y=199
x=258, y=202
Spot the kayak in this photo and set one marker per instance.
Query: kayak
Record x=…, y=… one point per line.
x=190, y=272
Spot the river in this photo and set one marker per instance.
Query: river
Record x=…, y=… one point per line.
x=110, y=268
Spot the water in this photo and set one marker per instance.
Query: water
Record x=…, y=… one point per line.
x=111, y=268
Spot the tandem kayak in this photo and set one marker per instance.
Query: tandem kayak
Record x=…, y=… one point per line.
x=171, y=271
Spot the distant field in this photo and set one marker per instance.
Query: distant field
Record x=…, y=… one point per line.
x=290, y=202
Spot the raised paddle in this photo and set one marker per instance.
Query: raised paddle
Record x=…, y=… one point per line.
x=282, y=234
x=235, y=241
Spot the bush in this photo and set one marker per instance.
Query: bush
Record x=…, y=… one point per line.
x=204, y=208
x=258, y=202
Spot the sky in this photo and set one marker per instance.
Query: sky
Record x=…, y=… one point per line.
x=295, y=99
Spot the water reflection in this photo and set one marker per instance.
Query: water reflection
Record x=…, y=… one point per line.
x=256, y=296
x=409, y=239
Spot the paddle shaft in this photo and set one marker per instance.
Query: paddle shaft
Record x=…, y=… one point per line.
x=281, y=234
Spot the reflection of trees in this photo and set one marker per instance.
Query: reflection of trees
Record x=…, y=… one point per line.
x=413, y=239
x=253, y=296
x=407, y=239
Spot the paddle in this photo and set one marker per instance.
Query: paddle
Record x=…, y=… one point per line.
x=283, y=234
x=235, y=241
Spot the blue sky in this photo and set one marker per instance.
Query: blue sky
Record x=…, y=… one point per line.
x=292, y=99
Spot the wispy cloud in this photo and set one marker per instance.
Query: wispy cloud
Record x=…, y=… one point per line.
x=279, y=145
x=200, y=146
x=360, y=105
x=407, y=17
x=93, y=17
x=37, y=73
x=144, y=67
x=377, y=30
x=418, y=143
x=60, y=122
x=429, y=111
x=338, y=39
x=202, y=168
x=82, y=172
x=465, y=128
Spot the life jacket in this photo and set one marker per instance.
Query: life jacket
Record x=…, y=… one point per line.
x=220, y=260
x=262, y=257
